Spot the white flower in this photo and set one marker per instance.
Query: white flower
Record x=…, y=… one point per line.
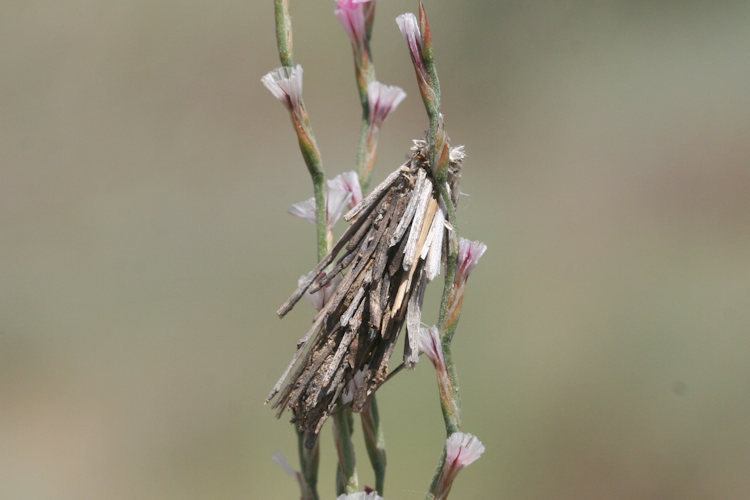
x=429, y=343
x=285, y=83
x=383, y=100
x=348, y=181
x=469, y=253
x=339, y=193
x=372, y=495
x=461, y=450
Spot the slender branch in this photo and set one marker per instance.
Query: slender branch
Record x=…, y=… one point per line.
x=283, y=31
x=374, y=442
x=309, y=458
x=365, y=159
x=347, y=481
x=364, y=74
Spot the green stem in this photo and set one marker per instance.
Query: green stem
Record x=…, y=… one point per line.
x=374, y=442
x=283, y=31
x=309, y=458
x=347, y=482
x=361, y=157
x=436, y=477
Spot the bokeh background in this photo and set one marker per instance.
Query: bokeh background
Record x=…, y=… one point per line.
x=144, y=246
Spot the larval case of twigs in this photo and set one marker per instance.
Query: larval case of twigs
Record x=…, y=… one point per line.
x=384, y=260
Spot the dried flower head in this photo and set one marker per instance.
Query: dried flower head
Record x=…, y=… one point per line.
x=391, y=250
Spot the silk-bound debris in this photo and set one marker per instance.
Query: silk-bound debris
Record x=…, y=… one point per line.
x=384, y=260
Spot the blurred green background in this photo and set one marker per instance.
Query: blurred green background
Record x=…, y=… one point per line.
x=144, y=246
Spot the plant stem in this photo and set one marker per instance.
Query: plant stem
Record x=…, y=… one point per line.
x=309, y=458
x=347, y=481
x=283, y=31
x=374, y=442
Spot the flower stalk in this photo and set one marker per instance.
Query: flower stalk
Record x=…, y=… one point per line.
x=346, y=475
x=437, y=340
x=374, y=441
x=289, y=91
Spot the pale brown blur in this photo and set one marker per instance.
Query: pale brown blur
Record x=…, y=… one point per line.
x=144, y=246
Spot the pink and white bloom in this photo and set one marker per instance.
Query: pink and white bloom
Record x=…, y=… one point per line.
x=349, y=182
x=319, y=298
x=352, y=17
x=469, y=253
x=383, y=100
x=429, y=343
x=362, y=495
x=461, y=450
x=339, y=193
x=285, y=83
x=409, y=27
x=356, y=382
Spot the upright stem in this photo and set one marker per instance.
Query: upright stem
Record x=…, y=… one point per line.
x=346, y=478
x=309, y=458
x=374, y=441
x=365, y=74
x=283, y=31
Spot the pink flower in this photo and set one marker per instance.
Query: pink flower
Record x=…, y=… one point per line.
x=384, y=99
x=461, y=450
x=349, y=182
x=340, y=191
x=469, y=253
x=429, y=343
x=351, y=15
x=409, y=27
x=285, y=83
x=319, y=298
